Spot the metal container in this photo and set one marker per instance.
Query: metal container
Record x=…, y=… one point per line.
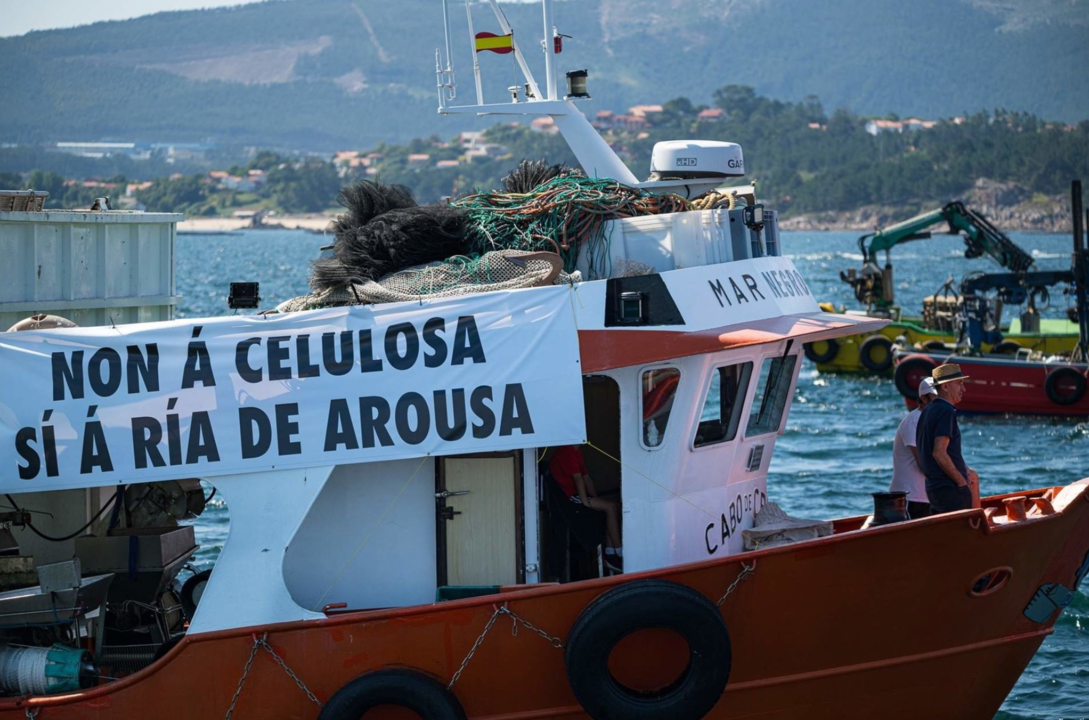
x=94, y=268
x=59, y=576
x=144, y=560
x=155, y=549
x=22, y=200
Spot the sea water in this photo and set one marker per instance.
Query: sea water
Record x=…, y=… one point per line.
x=837, y=447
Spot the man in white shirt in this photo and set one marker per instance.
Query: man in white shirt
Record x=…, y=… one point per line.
x=906, y=475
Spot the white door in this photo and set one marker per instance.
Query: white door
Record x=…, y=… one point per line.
x=481, y=520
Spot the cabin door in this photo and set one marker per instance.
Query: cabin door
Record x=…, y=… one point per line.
x=479, y=509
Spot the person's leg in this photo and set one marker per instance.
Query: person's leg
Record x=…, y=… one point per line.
x=945, y=499
x=949, y=499
x=969, y=497
x=918, y=510
x=612, y=520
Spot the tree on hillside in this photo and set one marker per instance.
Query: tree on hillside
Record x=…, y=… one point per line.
x=309, y=186
x=50, y=182
x=61, y=193
x=739, y=101
x=185, y=194
x=264, y=160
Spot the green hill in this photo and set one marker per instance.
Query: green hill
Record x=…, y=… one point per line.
x=326, y=74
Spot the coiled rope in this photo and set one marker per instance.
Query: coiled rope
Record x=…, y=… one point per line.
x=562, y=215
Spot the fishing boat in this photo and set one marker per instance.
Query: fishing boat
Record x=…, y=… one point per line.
x=936, y=328
x=1028, y=382
x=394, y=534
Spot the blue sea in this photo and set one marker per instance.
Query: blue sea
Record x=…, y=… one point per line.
x=838, y=444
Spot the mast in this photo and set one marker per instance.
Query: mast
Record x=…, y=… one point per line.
x=549, y=49
x=476, y=58
x=590, y=149
x=1081, y=273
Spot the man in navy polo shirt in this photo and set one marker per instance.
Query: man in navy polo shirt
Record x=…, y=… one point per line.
x=950, y=483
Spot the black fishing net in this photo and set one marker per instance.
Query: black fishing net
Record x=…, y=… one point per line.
x=383, y=231
x=530, y=174
x=542, y=208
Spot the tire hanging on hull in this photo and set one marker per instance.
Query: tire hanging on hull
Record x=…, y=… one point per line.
x=875, y=353
x=829, y=354
x=409, y=689
x=643, y=605
x=1064, y=386
x=910, y=372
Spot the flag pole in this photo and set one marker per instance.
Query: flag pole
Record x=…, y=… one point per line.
x=517, y=52
x=476, y=55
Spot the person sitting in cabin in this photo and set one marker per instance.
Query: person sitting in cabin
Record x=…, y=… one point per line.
x=906, y=475
x=950, y=484
x=568, y=469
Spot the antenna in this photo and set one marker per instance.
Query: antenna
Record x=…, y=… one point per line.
x=447, y=87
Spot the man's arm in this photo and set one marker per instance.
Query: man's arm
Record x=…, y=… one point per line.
x=914, y=454
x=941, y=456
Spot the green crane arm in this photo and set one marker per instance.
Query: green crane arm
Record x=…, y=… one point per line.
x=980, y=236
x=905, y=231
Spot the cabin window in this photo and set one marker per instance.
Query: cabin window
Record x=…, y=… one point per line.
x=722, y=408
x=659, y=389
x=773, y=387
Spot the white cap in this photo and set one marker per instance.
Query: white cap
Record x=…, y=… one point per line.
x=926, y=387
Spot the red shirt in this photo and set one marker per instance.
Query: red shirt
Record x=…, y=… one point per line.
x=565, y=462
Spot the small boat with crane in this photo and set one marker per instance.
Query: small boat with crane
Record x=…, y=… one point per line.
x=874, y=288
x=381, y=463
x=1028, y=382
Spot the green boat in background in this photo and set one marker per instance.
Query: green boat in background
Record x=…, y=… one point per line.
x=873, y=353
x=938, y=326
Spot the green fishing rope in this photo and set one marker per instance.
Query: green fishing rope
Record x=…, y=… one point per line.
x=562, y=215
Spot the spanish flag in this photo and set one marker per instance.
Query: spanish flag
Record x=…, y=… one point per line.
x=501, y=44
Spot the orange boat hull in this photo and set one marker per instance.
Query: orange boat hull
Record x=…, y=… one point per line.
x=880, y=623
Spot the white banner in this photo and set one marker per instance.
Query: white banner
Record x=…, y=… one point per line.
x=199, y=398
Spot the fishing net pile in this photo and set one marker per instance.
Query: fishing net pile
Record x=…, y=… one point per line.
x=565, y=214
x=389, y=249
x=460, y=275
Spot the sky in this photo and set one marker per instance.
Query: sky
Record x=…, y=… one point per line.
x=18, y=17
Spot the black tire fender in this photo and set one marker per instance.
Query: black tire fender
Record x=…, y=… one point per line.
x=639, y=605
x=400, y=687
x=827, y=356
x=1006, y=347
x=875, y=344
x=191, y=592
x=935, y=346
x=908, y=367
x=1067, y=376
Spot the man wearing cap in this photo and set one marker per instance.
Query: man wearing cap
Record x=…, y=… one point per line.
x=949, y=480
x=906, y=475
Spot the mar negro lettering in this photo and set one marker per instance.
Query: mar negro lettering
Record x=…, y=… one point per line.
x=746, y=289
